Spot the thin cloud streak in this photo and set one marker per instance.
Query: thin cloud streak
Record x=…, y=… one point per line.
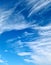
x=16, y=24
x=38, y=6
x=24, y=53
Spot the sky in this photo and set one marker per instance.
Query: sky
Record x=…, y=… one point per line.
x=25, y=32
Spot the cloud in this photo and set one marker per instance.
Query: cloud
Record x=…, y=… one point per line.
x=24, y=53
x=47, y=27
x=9, y=20
x=40, y=53
x=41, y=47
x=43, y=30
x=38, y=5
x=3, y=62
x=28, y=60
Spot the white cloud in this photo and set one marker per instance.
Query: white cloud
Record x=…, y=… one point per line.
x=47, y=27
x=41, y=48
x=28, y=60
x=41, y=51
x=24, y=53
x=10, y=21
x=43, y=30
x=3, y=62
x=38, y=5
x=28, y=34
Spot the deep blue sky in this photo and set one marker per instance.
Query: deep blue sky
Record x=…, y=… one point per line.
x=25, y=32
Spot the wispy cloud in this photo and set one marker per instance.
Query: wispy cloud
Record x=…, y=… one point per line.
x=38, y=5
x=44, y=30
x=40, y=53
x=47, y=27
x=28, y=60
x=3, y=62
x=10, y=21
x=41, y=48
x=24, y=53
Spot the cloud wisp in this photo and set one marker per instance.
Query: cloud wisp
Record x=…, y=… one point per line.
x=40, y=53
x=24, y=53
x=9, y=20
x=38, y=5
x=17, y=23
x=41, y=48
x=3, y=62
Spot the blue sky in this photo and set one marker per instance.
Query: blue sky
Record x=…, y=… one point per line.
x=25, y=32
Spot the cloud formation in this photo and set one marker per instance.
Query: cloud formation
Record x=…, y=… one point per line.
x=3, y=62
x=38, y=5
x=10, y=21
x=40, y=53
x=41, y=48
x=24, y=53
